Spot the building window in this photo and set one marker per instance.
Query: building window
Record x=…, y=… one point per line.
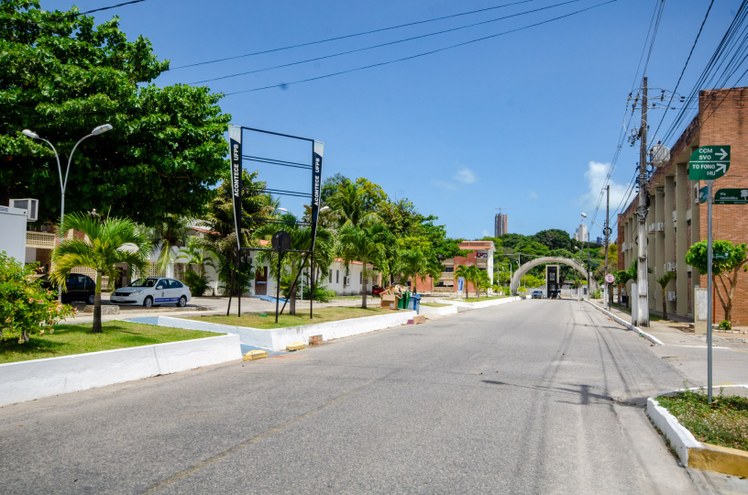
x=329, y=280
x=337, y=276
x=449, y=269
x=361, y=278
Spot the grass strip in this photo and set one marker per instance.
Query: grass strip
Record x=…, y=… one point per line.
x=266, y=320
x=68, y=340
x=724, y=422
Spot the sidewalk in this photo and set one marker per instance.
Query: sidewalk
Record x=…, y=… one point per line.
x=687, y=352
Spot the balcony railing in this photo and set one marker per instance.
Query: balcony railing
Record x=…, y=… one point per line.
x=43, y=240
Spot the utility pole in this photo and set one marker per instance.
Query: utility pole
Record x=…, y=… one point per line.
x=642, y=313
x=607, y=232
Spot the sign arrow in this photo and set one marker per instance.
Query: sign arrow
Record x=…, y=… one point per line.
x=722, y=154
x=721, y=167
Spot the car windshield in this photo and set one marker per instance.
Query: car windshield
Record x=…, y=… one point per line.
x=144, y=282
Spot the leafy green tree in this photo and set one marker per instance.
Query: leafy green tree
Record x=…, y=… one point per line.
x=725, y=268
x=24, y=304
x=106, y=243
x=357, y=203
x=364, y=244
x=471, y=274
x=554, y=239
x=61, y=76
x=624, y=276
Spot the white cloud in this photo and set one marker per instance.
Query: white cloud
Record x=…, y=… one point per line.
x=595, y=196
x=465, y=175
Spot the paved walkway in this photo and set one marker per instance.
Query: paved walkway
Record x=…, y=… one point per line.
x=687, y=352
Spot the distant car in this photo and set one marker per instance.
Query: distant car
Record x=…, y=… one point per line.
x=537, y=294
x=152, y=291
x=376, y=290
x=78, y=287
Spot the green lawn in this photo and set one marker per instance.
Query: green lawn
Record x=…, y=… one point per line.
x=435, y=305
x=482, y=298
x=267, y=320
x=78, y=339
x=724, y=422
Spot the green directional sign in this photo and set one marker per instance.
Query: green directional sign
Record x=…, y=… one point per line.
x=731, y=197
x=709, y=162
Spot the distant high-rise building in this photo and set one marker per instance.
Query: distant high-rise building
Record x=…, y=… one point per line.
x=581, y=234
x=501, y=224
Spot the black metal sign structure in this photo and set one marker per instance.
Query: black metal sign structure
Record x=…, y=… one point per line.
x=240, y=160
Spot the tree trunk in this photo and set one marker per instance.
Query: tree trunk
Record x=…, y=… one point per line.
x=364, y=286
x=664, y=303
x=96, y=328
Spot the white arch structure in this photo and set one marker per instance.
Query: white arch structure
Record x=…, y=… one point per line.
x=514, y=285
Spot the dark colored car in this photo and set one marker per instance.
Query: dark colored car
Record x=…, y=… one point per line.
x=79, y=287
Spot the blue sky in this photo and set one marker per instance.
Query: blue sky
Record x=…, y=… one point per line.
x=527, y=121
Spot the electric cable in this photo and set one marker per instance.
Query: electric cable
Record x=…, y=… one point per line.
x=417, y=55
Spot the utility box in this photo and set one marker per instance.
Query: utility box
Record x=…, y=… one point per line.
x=13, y=228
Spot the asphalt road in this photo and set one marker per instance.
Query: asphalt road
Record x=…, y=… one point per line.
x=539, y=396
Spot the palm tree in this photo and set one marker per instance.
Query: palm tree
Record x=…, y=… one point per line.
x=106, y=242
x=664, y=281
x=470, y=273
x=196, y=254
x=365, y=244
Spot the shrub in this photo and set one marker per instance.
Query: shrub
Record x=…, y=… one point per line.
x=725, y=325
x=197, y=283
x=25, y=306
x=321, y=294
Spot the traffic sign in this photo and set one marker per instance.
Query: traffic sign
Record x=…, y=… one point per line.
x=731, y=197
x=703, y=194
x=610, y=278
x=709, y=162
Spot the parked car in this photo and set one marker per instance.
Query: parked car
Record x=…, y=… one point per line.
x=537, y=294
x=78, y=287
x=152, y=290
x=376, y=290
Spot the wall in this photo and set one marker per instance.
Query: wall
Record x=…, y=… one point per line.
x=13, y=228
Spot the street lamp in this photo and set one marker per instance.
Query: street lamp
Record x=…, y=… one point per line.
x=64, y=181
x=584, y=215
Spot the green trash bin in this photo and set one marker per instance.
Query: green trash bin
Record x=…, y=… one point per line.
x=405, y=299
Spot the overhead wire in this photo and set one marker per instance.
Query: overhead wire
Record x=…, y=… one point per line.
x=349, y=36
x=381, y=45
x=418, y=55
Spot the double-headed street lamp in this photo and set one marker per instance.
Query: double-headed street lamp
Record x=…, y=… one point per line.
x=64, y=180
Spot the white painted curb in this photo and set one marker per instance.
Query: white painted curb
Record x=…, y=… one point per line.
x=29, y=380
x=680, y=439
x=481, y=304
x=628, y=325
x=279, y=339
x=437, y=311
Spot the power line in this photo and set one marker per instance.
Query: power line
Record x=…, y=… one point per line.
x=112, y=6
x=418, y=55
x=348, y=36
x=380, y=45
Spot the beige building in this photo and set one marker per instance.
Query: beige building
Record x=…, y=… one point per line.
x=676, y=219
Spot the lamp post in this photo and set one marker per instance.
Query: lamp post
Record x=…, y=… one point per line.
x=584, y=215
x=64, y=180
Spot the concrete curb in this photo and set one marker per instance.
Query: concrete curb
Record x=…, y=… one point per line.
x=691, y=452
x=481, y=304
x=28, y=380
x=628, y=325
x=278, y=339
x=429, y=311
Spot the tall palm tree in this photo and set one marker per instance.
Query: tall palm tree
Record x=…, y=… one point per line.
x=106, y=242
x=470, y=273
x=365, y=244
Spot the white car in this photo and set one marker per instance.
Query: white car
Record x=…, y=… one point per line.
x=153, y=290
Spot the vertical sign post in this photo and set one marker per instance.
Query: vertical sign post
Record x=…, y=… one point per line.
x=318, y=150
x=235, y=151
x=709, y=163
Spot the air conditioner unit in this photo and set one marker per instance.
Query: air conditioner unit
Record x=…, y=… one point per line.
x=675, y=216
x=30, y=205
x=671, y=266
x=660, y=227
x=650, y=228
x=671, y=295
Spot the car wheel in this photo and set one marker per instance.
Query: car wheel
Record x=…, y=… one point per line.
x=91, y=298
x=182, y=302
x=148, y=302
